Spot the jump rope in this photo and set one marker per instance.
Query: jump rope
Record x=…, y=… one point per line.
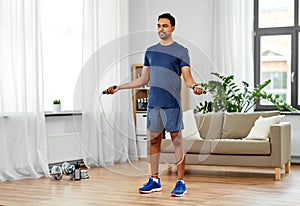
x=105, y=92
x=168, y=164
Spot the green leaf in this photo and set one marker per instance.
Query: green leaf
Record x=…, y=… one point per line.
x=227, y=95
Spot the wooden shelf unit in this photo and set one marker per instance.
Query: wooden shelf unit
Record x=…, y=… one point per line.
x=138, y=93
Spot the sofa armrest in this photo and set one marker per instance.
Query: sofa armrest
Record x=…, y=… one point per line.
x=280, y=137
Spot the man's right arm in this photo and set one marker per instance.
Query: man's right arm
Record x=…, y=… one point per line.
x=143, y=80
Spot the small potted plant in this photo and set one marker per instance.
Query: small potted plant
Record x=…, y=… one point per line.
x=56, y=105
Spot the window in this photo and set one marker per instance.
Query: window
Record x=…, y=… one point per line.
x=61, y=31
x=276, y=49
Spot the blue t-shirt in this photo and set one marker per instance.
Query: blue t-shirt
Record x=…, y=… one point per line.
x=165, y=70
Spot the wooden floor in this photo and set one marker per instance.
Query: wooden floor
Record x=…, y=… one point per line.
x=117, y=185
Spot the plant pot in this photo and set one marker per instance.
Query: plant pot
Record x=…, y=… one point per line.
x=56, y=108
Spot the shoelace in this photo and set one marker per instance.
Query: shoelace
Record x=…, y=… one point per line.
x=147, y=182
x=179, y=185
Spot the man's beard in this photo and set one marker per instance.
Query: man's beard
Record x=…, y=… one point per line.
x=163, y=35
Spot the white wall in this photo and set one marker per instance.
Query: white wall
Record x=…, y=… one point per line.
x=295, y=136
x=189, y=14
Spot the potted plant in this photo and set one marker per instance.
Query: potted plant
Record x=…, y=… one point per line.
x=228, y=96
x=56, y=105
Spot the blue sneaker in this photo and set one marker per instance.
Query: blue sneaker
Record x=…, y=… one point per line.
x=179, y=190
x=150, y=186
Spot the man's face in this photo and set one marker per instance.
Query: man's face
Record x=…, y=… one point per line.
x=164, y=28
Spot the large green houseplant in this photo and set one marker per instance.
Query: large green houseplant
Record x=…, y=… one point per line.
x=229, y=96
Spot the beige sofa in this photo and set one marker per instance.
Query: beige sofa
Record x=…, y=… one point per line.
x=229, y=139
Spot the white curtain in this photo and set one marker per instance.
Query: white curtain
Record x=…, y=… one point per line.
x=231, y=25
x=23, y=149
x=108, y=132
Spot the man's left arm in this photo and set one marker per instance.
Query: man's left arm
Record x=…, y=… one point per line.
x=189, y=81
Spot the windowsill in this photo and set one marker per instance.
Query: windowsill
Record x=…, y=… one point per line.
x=289, y=113
x=62, y=113
x=285, y=112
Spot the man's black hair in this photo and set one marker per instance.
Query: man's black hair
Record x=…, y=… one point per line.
x=168, y=16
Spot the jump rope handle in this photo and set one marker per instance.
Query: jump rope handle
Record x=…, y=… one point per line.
x=105, y=91
x=202, y=90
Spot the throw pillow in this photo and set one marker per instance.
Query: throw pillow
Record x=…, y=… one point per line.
x=238, y=125
x=261, y=128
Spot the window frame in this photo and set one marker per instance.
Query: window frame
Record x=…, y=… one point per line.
x=289, y=30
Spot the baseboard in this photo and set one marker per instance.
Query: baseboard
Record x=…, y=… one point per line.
x=72, y=162
x=295, y=159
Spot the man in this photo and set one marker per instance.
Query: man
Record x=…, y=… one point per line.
x=163, y=65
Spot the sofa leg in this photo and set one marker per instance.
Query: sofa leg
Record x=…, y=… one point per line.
x=287, y=167
x=169, y=168
x=277, y=174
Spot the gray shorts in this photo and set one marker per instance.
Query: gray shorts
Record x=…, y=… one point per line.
x=159, y=119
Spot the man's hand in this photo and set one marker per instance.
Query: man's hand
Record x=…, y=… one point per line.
x=198, y=89
x=111, y=90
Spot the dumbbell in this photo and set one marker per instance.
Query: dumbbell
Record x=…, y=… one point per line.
x=68, y=169
x=56, y=172
x=84, y=174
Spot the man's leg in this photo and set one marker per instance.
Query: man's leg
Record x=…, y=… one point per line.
x=153, y=185
x=155, y=142
x=180, y=188
x=179, y=154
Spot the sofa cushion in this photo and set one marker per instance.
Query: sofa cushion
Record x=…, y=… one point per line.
x=240, y=147
x=189, y=146
x=210, y=125
x=238, y=125
x=261, y=128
